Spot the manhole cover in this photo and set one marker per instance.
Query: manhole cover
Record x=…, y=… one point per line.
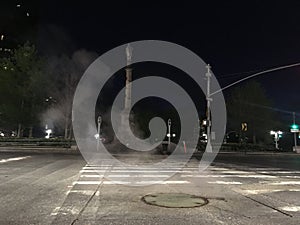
x=175, y=200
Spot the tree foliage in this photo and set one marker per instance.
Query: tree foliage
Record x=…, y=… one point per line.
x=22, y=89
x=249, y=104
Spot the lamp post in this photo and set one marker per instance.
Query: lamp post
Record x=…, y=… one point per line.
x=99, y=121
x=295, y=138
x=277, y=135
x=169, y=132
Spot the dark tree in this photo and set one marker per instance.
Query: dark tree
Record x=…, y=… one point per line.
x=249, y=104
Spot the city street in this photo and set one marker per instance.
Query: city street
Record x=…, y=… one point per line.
x=63, y=189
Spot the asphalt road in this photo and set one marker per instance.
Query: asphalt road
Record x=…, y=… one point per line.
x=63, y=189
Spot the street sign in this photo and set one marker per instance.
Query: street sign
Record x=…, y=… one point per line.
x=294, y=130
x=244, y=127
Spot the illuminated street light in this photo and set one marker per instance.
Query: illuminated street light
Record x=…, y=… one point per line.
x=277, y=135
x=48, y=132
x=169, y=135
x=99, y=121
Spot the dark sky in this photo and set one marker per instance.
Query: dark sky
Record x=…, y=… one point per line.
x=233, y=36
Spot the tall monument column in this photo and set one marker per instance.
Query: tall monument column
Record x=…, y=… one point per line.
x=127, y=102
x=128, y=78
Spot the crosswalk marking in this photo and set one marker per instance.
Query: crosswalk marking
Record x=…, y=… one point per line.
x=231, y=176
x=224, y=182
x=106, y=174
x=137, y=171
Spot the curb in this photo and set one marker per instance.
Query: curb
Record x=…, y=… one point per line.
x=44, y=150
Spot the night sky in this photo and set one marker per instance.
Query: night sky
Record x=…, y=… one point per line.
x=235, y=37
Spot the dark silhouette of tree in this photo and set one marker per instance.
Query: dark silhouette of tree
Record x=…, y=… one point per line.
x=249, y=104
x=22, y=90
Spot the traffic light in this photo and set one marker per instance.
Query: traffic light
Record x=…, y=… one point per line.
x=295, y=126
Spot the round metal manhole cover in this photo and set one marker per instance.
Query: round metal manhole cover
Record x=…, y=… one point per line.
x=175, y=200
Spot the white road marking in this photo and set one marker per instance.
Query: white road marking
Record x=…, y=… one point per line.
x=285, y=183
x=280, y=172
x=291, y=208
x=263, y=191
x=164, y=182
x=224, y=182
x=55, y=211
x=14, y=159
x=230, y=176
x=127, y=182
x=123, y=175
x=137, y=171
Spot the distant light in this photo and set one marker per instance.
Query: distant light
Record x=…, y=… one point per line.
x=18, y=6
x=96, y=136
x=174, y=135
x=1, y=134
x=2, y=37
x=48, y=132
x=294, y=126
x=27, y=14
x=5, y=67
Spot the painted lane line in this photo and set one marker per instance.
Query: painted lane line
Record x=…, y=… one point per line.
x=123, y=175
x=127, y=182
x=264, y=191
x=224, y=182
x=285, y=183
x=14, y=159
x=164, y=182
x=137, y=171
x=230, y=176
x=281, y=172
x=291, y=208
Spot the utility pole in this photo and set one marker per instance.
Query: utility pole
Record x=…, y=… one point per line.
x=208, y=99
x=295, y=138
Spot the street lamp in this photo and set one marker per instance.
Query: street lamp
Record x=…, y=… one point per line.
x=277, y=135
x=169, y=132
x=99, y=121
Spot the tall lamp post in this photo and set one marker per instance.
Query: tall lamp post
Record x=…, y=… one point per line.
x=277, y=135
x=294, y=124
x=99, y=121
x=169, y=132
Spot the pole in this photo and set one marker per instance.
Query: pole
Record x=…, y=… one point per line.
x=169, y=131
x=99, y=120
x=295, y=138
x=208, y=75
x=276, y=140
